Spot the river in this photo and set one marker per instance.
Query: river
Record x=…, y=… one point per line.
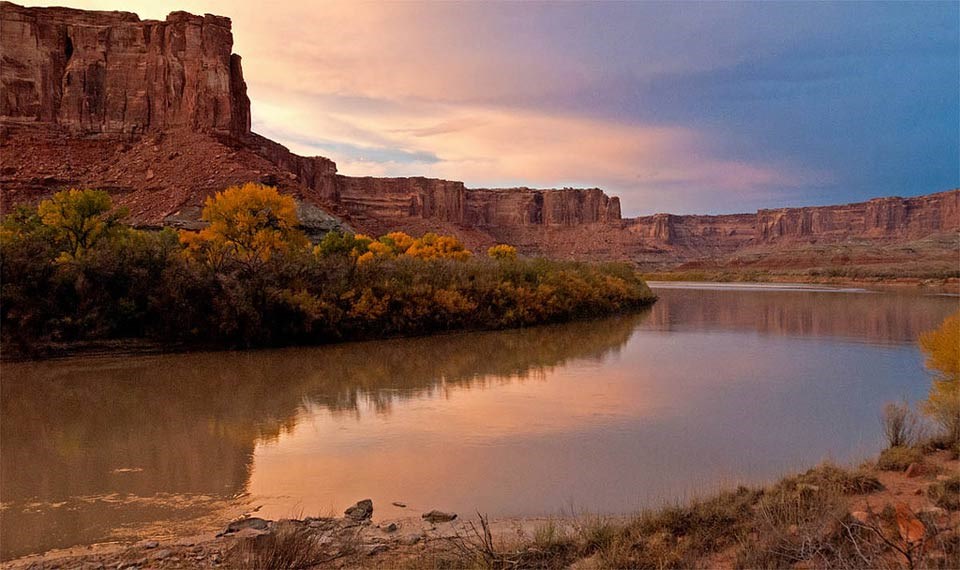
x=711, y=387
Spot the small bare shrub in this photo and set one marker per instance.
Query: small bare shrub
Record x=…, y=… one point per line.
x=288, y=546
x=901, y=425
x=551, y=548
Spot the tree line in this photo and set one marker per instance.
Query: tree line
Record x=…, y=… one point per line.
x=72, y=271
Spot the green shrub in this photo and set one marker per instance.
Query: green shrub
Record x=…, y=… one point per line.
x=899, y=458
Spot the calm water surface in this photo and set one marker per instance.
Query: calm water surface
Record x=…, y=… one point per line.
x=712, y=386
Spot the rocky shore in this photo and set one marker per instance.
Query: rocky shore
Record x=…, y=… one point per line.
x=900, y=517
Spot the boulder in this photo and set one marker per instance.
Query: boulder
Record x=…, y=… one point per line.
x=254, y=523
x=375, y=549
x=438, y=516
x=361, y=511
x=909, y=526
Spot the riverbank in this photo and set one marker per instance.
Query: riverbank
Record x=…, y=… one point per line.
x=251, y=278
x=932, y=285
x=881, y=514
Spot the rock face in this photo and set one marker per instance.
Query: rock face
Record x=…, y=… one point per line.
x=883, y=219
x=110, y=72
x=156, y=112
x=450, y=201
x=886, y=218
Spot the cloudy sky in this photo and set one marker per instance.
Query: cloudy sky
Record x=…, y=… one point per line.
x=674, y=106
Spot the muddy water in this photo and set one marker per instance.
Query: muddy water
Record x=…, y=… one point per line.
x=710, y=387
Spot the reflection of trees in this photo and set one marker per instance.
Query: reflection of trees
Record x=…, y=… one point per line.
x=874, y=317
x=191, y=421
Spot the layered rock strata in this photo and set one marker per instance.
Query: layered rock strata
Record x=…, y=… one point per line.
x=156, y=112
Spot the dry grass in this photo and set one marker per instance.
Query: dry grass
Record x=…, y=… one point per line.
x=946, y=494
x=792, y=521
x=290, y=546
x=902, y=427
x=802, y=521
x=550, y=547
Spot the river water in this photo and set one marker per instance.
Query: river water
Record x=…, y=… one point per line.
x=711, y=387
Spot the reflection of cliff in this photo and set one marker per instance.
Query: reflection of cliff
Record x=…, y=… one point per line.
x=191, y=422
x=873, y=317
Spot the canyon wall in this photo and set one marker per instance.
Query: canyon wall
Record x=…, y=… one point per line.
x=109, y=72
x=892, y=218
x=885, y=218
x=450, y=201
x=156, y=113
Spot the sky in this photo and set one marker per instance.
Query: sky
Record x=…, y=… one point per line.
x=678, y=107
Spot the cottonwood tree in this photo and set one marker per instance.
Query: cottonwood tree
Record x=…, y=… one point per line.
x=248, y=225
x=942, y=348
x=82, y=218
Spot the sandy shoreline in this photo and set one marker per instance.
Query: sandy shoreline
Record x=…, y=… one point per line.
x=414, y=542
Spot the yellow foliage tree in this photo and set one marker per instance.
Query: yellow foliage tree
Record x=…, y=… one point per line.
x=503, y=252
x=82, y=218
x=942, y=348
x=248, y=224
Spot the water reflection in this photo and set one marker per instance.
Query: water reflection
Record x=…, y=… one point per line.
x=92, y=433
x=609, y=415
x=873, y=317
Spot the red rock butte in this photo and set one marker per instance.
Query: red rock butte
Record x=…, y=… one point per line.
x=156, y=113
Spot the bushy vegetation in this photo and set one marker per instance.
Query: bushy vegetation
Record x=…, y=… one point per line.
x=71, y=272
x=942, y=349
x=898, y=458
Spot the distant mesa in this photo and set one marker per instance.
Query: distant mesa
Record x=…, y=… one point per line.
x=157, y=113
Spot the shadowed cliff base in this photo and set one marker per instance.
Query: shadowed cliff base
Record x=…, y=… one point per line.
x=129, y=111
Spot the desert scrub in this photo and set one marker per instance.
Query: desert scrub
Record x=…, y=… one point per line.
x=946, y=494
x=898, y=458
x=251, y=278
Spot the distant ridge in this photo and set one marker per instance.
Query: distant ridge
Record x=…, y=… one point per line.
x=156, y=112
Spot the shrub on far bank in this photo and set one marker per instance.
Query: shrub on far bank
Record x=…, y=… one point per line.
x=252, y=279
x=502, y=251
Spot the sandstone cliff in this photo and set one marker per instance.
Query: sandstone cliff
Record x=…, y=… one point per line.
x=887, y=218
x=156, y=112
x=110, y=72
